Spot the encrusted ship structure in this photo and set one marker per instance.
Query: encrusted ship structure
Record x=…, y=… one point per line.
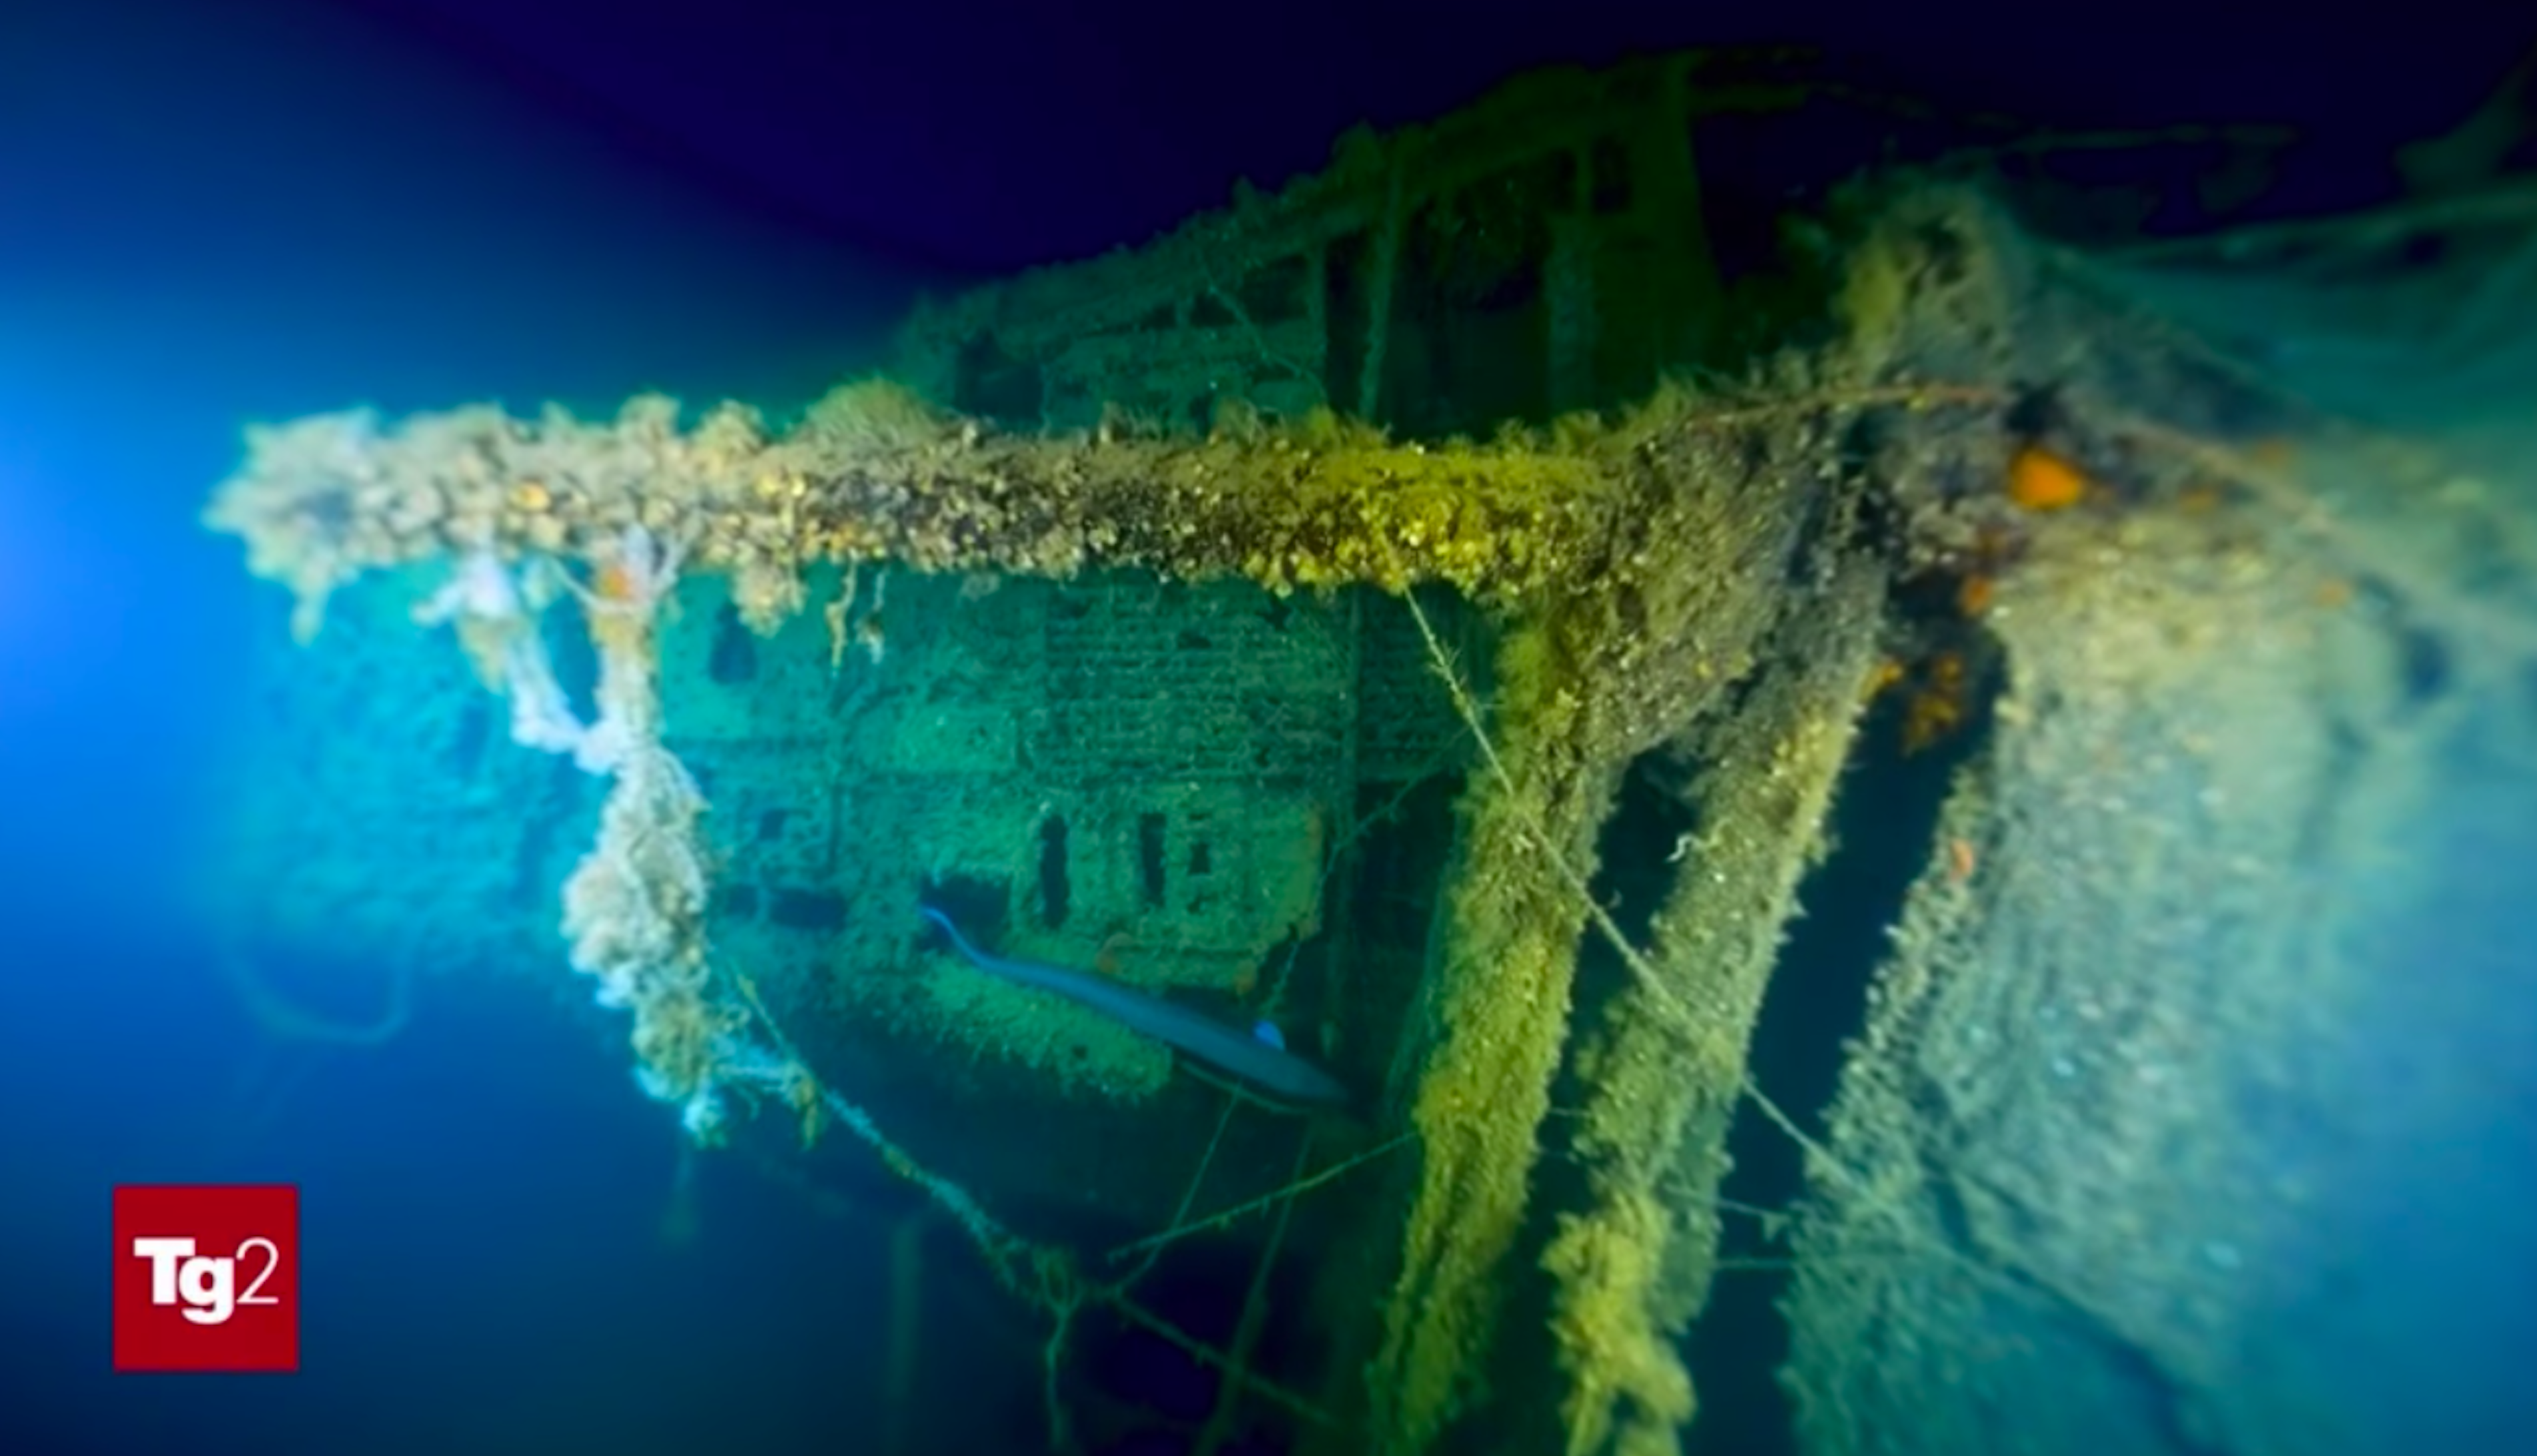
x=1459, y=609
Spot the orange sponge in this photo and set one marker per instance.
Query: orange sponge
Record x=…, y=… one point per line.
x=2040, y=480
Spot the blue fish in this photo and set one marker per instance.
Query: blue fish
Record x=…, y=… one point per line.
x=1258, y=1056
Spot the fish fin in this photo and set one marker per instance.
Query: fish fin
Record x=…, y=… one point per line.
x=1241, y=1092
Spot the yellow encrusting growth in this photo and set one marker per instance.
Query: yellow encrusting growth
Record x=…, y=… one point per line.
x=1486, y=1087
x=1686, y=609
x=872, y=473
x=1621, y=1363
x=1668, y=1072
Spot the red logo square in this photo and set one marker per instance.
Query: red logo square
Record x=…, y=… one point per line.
x=207, y=1276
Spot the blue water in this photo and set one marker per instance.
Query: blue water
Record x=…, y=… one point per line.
x=224, y=213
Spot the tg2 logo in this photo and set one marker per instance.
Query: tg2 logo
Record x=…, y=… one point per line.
x=207, y=1276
